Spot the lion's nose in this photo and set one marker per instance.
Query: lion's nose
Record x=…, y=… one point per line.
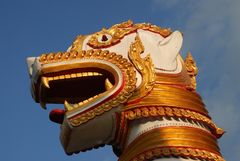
x=57, y=116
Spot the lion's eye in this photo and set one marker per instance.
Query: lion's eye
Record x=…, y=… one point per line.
x=103, y=38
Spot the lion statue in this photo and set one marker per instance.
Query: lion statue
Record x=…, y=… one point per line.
x=127, y=86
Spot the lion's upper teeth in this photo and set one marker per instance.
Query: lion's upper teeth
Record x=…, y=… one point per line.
x=74, y=75
x=96, y=74
x=46, y=80
x=61, y=77
x=67, y=76
x=79, y=75
x=56, y=78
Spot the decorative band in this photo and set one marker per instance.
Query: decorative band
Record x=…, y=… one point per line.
x=176, y=152
x=154, y=111
x=173, y=141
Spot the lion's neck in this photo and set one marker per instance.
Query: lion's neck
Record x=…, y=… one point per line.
x=142, y=132
x=170, y=123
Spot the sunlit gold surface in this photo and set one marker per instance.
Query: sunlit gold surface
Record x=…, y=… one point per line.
x=173, y=141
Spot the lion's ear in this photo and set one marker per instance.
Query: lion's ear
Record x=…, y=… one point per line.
x=172, y=44
x=163, y=51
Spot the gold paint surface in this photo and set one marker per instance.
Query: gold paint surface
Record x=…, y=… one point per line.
x=167, y=95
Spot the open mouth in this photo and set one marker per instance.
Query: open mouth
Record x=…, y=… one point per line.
x=78, y=87
x=87, y=83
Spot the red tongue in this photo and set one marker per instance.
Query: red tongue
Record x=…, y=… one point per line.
x=57, y=116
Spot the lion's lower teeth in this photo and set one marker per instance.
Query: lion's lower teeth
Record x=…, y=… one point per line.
x=67, y=106
x=108, y=84
x=70, y=107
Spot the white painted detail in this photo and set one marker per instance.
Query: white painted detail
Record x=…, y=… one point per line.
x=100, y=130
x=33, y=67
x=30, y=61
x=164, y=51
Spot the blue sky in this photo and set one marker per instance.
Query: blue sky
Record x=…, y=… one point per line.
x=30, y=27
